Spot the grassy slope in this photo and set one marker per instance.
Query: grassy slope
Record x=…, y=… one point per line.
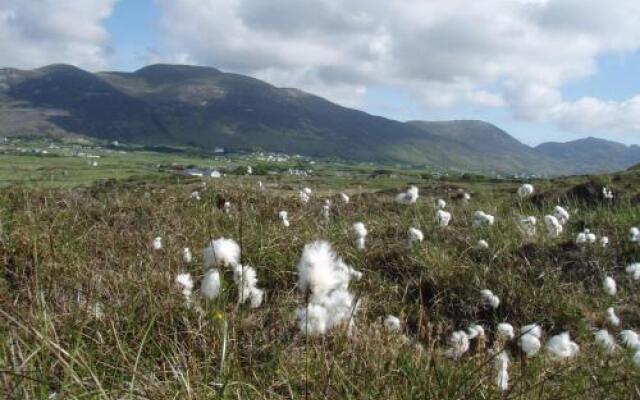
x=67, y=249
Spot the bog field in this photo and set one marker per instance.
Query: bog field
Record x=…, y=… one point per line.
x=452, y=287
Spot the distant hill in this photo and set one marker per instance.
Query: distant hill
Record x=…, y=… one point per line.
x=178, y=105
x=592, y=155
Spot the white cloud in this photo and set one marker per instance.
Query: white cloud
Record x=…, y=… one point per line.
x=491, y=53
x=38, y=32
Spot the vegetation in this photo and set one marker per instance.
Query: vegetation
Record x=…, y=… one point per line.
x=88, y=308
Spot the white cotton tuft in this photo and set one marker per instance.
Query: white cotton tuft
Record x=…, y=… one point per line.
x=415, y=236
x=585, y=237
x=501, y=365
x=554, y=227
x=326, y=211
x=530, y=336
x=326, y=312
x=612, y=318
x=249, y=170
x=408, y=197
x=195, y=195
x=210, y=287
x=307, y=191
x=481, y=218
x=245, y=277
x=489, y=298
x=604, y=241
x=312, y=320
x=157, y=243
x=221, y=252
x=561, y=214
x=634, y=271
x=186, y=284
x=609, y=286
x=345, y=198
x=475, y=331
x=526, y=190
x=482, y=244
x=607, y=193
x=459, y=344
x=284, y=218
x=630, y=339
x=636, y=359
x=441, y=204
x=187, y=257
x=360, y=233
x=260, y=185
x=634, y=235
x=443, y=218
x=392, y=323
x=304, y=197
x=528, y=225
x=316, y=269
x=561, y=347
x=505, y=330
x=530, y=344
x=605, y=340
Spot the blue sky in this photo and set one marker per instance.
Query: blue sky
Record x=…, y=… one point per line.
x=540, y=69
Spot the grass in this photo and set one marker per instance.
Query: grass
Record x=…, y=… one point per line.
x=67, y=250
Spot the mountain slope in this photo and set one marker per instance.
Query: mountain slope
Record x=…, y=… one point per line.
x=592, y=155
x=206, y=108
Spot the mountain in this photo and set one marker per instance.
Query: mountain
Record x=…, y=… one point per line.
x=592, y=155
x=179, y=105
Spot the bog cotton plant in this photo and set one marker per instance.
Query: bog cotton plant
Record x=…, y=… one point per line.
x=528, y=225
x=187, y=257
x=609, y=286
x=634, y=235
x=304, y=196
x=221, y=252
x=482, y=244
x=284, y=218
x=441, y=204
x=612, y=317
x=487, y=297
x=501, y=365
x=526, y=191
x=562, y=347
x=392, y=323
x=630, y=339
x=210, y=287
x=586, y=237
x=415, y=236
x=480, y=218
x=345, y=198
x=408, y=197
x=326, y=209
x=561, y=214
x=530, y=339
x=443, y=218
x=605, y=340
x=554, y=227
x=360, y=234
x=325, y=278
x=634, y=271
x=505, y=331
x=156, y=244
x=185, y=281
x=245, y=278
x=607, y=193
x=458, y=344
x=195, y=196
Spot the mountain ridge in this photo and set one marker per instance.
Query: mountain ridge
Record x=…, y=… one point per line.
x=205, y=107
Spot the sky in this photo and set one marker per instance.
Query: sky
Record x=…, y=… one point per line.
x=543, y=70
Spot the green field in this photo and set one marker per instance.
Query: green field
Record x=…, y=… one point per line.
x=89, y=310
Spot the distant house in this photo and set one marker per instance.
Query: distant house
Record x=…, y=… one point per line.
x=218, y=150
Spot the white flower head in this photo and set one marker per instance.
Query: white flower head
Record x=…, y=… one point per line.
x=392, y=323
x=284, y=218
x=612, y=318
x=221, y=252
x=561, y=214
x=528, y=225
x=562, y=347
x=415, y=236
x=554, y=227
x=482, y=244
x=185, y=281
x=187, y=257
x=441, y=204
x=443, y=218
x=606, y=340
x=157, y=243
x=489, y=298
x=481, y=218
x=458, y=344
x=345, y=198
x=609, y=286
x=505, y=330
x=634, y=271
x=630, y=339
x=526, y=190
x=408, y=197
x=210, y=287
